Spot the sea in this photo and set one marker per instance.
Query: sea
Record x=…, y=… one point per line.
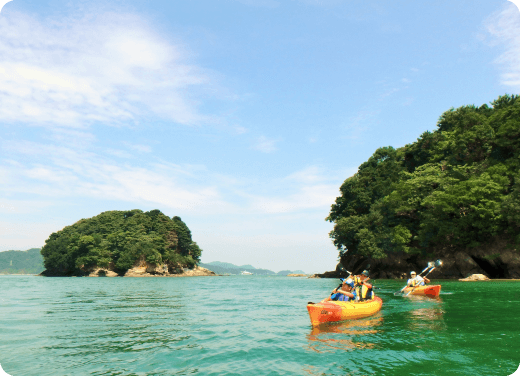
x=250, y=325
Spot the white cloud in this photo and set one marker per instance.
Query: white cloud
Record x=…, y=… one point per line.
x=265, y=145
x=306, y=197
x=76, y=173
x=111, y=68
x=139, y=148
x=504, y=27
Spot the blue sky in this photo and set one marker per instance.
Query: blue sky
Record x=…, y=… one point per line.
x=243, y=117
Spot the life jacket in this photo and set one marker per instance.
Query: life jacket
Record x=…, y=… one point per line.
x=342, y=297
x=363, y=291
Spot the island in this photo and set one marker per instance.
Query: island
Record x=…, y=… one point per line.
x=129, y=243
x=454, y=195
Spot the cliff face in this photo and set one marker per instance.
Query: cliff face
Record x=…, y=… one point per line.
x=497, y=259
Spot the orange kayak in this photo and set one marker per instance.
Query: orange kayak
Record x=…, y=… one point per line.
x=428, y=290
x=333, y=311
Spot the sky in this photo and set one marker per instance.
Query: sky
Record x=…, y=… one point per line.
x=243, y=117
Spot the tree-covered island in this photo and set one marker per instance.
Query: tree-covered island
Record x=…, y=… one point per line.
x=453, y=194
x=118, y=241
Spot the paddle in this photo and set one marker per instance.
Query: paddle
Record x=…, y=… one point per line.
x=431, y=266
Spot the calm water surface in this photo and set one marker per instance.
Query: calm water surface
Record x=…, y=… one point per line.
x=249, y=325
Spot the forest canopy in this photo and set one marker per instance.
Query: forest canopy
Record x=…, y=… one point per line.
x=117, y=240
x=458, y=185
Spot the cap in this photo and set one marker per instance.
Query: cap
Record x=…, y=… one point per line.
x=348, y=281
x=412, y=272
x=365, y=273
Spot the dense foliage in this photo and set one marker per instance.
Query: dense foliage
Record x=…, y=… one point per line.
x=456, y=186
x=21, y=262
x=118, y=239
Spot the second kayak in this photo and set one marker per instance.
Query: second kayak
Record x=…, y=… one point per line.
x=428, y=290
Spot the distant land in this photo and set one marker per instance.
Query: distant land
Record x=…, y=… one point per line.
x=21, y=262
x=228, y=268
x=31, y=262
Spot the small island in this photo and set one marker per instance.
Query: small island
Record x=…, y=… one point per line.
x=123, y=243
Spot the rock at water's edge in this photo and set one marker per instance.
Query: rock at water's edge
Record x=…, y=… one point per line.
x=475, y=277
x=296, y=275
x=101, y=272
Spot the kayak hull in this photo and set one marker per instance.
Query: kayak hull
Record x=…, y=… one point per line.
x=427, y=290
x=334, y=311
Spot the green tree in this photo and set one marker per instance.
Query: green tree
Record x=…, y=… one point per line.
x=119, y=239
x=458, y=185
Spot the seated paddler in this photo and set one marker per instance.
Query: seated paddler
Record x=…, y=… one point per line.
x=416, y=280
x=363, y=289
x=344, y=293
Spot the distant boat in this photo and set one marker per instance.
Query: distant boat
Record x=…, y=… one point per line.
x=245, y=272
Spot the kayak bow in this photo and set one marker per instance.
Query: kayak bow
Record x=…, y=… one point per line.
x=333, y=311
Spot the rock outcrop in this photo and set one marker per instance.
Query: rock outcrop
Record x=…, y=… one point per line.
x=144, y=269
x=101, y=272
x=164, y=271
x=475, y=277
x=498, y=259
x=296, y=275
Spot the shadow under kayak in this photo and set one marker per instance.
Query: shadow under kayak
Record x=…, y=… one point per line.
x=333, y=311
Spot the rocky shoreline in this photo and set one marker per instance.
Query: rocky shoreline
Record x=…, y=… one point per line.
x=499, y=259
x=142, y=269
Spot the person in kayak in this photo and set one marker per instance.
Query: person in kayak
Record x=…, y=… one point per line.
x=345, y=293
x=362, y=287
x=416, y=280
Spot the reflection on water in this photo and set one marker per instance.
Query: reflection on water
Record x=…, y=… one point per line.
x=428, y=316
x=347, y=335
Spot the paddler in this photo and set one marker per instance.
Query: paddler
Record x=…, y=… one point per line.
x=362, y=287
x=343, y=293
x=416, y=280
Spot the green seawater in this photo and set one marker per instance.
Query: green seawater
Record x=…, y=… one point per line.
x=250, y=325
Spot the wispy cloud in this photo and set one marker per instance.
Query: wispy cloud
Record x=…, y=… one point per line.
x=504, y=27
x=265, y=145
x=358, y=124
x=306, y=197
x=311, y=188
x=62, y=172
x=48, y=172
x=109, y=68
x=137, y=147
